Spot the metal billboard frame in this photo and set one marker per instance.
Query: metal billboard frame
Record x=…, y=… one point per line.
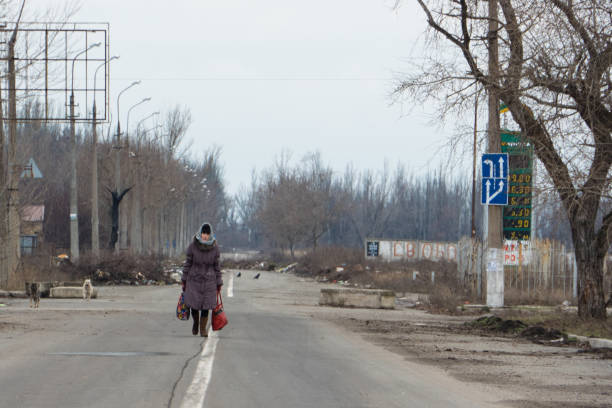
x=46, y=56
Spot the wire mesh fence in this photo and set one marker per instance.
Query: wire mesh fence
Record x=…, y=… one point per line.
x=542, y=265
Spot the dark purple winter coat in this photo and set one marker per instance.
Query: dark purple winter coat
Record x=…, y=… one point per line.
x=202, y=274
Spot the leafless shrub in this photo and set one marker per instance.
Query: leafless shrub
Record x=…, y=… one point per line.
x=444, y=299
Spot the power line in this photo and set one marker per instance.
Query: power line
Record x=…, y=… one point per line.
x=257, y=79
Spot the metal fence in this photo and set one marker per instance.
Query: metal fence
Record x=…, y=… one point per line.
x=544, y=265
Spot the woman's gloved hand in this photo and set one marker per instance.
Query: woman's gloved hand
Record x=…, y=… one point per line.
x=183, y=285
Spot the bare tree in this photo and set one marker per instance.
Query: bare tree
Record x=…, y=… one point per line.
x=369, y=209
x=178, y=120
x=322, y=209
x=554, y=75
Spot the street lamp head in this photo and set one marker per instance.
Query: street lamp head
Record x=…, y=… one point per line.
x=75, y=58
x=114, y=57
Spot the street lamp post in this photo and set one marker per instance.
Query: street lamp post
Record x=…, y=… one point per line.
x=127, y=127
x=74, y=221
x=141, y=121
x=137, y=232
x=118, y=193
x=130, y=201
x=144, y=132
x=95, y=217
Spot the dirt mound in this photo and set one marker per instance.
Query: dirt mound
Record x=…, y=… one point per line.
x=497, y=324
x=536, y=334
x=540, y=334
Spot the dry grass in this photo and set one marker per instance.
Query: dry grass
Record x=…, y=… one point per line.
x=325, y=260
x=444, y=299
x=540, y=297
x=445, y=293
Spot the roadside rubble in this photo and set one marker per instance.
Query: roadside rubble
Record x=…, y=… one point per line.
x=171, y=274
x=537, y=367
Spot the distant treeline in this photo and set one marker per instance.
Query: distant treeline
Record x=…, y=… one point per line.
x=307, y=205
x=288, y=206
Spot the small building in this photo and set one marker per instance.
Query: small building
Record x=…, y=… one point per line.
x=32, y=234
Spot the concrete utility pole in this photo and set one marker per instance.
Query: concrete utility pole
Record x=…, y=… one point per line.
x=494, y=241
x=12, y=223
x=74, y=219
x=117, y=148
x=124, y=214
x=95, y=216
x=13, y=251
x=136, y=234
x=3, y=203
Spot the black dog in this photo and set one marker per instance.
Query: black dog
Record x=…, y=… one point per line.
x=34, y=295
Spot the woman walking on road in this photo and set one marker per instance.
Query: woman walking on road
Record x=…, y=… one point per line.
x=202, y=277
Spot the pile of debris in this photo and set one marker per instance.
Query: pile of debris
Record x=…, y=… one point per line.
x=536, y=334
x=137, y=278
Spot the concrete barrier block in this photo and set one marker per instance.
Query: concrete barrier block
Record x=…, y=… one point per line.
x=13, y=294
x=600, y=343
x=70, y=292
x=365, y=298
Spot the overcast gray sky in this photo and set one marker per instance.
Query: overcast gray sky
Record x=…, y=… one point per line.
x=267, y=75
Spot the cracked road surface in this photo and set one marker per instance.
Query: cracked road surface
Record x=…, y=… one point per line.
x=128, y=349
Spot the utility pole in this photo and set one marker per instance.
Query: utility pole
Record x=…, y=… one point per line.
x=74, y=218
x=474, y=165
x=476, y=270
x=127, y=200
x=13, y=252
x=13, y=223
x=118, y=193
x=494, y=256
x=3, y=203
x=95, y=216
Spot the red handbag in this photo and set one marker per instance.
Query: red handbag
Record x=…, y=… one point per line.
x=219, y=320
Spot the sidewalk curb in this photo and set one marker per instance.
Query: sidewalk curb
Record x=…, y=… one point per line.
x=13, y=294
x=595, y=343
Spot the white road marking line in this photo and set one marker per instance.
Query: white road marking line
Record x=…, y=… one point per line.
x=194, y=397
x=230, y=287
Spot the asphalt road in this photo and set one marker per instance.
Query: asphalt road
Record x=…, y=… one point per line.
x=127, y=349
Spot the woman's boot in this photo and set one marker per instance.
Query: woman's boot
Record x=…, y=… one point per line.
x=203, y=321
x=196, y=321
